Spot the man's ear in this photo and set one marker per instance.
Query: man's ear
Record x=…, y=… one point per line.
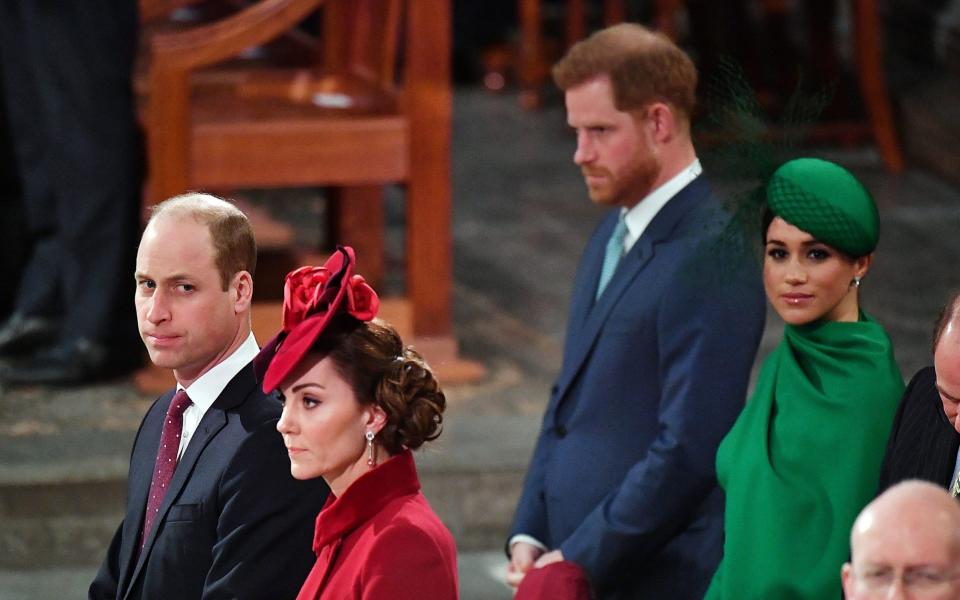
x=661, y=122
x=242, y=289
x=846, y=578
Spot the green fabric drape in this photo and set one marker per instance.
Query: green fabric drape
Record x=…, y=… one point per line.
x=803, y=459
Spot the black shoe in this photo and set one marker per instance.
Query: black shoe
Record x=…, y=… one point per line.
x=21, y=335
x=77, y=361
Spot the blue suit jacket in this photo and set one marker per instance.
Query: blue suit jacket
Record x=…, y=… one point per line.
x=234, y=523
x=654, y=374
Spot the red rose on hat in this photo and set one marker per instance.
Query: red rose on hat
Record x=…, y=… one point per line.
x=312, y=297
x=362, y=301
x=301, y=294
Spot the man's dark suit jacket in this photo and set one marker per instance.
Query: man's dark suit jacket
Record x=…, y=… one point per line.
x=923, y=444
x=654, y=374
x=234, y=523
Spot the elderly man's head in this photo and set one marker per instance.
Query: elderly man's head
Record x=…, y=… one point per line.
x=906, y=544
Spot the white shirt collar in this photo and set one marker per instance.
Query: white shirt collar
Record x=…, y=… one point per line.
x=640, y=216
x=208, y=387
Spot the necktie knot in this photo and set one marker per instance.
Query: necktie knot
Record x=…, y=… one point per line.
x=613, y=254
x=180, y=403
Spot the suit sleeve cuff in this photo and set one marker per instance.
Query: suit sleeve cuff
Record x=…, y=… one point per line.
x=529, y=539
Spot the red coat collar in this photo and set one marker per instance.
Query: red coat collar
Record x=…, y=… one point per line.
x=365, y=497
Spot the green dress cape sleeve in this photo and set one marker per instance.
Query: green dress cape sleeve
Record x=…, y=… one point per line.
x=803, y=459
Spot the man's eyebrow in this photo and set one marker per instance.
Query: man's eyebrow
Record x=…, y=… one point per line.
x=173, y=277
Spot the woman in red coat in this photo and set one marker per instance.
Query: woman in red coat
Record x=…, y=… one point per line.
x=356, y=402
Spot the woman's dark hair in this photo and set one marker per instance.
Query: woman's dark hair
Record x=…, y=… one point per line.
x=765, y=224
x=371, y=357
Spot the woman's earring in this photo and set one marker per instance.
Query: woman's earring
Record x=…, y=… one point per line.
x=370, y=458
x=856, y=281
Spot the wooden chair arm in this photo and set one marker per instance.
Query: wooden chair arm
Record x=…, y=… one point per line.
x=208, y=44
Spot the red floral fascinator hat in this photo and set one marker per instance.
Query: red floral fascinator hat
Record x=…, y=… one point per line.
x=312, y=297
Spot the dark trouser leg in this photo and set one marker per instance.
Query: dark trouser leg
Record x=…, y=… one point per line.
x=84, y=57
x=13, y=227
x=37, y=292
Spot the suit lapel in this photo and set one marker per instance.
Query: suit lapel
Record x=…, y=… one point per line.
x=659, y=229
x=213, y=421
x=140, y=476
x=585, y=285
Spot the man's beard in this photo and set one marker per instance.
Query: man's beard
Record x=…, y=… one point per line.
x=631, y=186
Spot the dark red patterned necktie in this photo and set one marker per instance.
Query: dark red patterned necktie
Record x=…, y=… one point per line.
x=166, y=460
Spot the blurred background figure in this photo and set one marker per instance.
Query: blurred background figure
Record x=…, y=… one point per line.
x=905, y=544
x=66, y=70
x=12, y=225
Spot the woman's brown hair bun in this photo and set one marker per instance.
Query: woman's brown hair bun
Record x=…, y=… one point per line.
x=413, y=401
x=381, y=371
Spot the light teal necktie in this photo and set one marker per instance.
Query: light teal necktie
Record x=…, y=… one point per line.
x=612, y=256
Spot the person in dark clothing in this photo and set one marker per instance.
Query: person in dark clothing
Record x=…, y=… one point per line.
x=78, y=154
x=925, y=438
x=12, y=239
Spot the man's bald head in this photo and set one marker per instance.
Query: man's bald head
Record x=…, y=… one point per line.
x=910, y=534
x=946, y=360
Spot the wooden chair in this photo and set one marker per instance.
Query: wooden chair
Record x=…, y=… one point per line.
x=375, y=109
x=868, y=51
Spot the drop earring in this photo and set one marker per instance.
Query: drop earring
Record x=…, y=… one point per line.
x=371, y=461
x=856, y=281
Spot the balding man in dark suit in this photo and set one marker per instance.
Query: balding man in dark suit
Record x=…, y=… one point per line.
x=212, y=509
x=925, y=439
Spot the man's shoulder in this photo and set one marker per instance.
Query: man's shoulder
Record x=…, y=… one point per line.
x=706, y=211
x=244, y=397
x=245, y=410
x=258, y=407
x=920, y=416
x=921, y=390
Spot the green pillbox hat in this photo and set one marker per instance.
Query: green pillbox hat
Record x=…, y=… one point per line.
x=826, y=201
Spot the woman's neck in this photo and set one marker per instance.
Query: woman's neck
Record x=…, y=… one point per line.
x=846, y=311
x=339, y=482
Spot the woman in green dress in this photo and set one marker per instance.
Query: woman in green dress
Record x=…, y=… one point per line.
x=804, y=456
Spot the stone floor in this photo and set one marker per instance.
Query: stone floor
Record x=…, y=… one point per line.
x=520, y=222
x=478, y=580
